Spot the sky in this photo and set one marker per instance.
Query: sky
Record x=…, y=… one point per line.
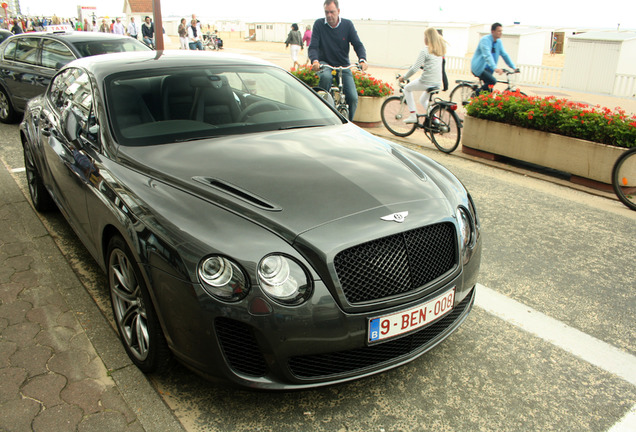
x=557, y=13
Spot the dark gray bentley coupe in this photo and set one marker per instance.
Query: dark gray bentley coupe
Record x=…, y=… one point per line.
x=245, y=227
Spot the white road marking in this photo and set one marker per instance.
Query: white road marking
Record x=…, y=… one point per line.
x=584, y=346
x=627, y=423
x=18, y=170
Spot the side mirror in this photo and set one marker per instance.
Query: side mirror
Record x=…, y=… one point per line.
x=325, y=95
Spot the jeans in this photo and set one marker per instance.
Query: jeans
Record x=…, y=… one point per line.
x=349, y=87
x=148, y=41
x=489, y=80
x=196, y=45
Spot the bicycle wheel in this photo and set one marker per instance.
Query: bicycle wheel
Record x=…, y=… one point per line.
x=445, y=128
x=394, y=111
x=461, y=96
x=344, y=111
x=624, y=178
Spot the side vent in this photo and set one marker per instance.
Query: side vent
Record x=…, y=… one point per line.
x=237, y=192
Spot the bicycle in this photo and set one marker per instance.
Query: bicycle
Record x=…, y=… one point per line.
x=466, y=90
x=624, y=178
x=440, y=124
x=337, y=91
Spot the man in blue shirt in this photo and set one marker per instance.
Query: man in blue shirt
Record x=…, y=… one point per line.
x=330, y=45
x=486, y=56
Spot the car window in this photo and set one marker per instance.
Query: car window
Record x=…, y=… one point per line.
x=55, y=54
x=27, y=50
x=174, y=105
x=91, y=48
x=9, y=50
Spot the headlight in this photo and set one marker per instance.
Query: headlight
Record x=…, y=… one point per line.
x=284, y=280
x=222, y=278
x=466, y=229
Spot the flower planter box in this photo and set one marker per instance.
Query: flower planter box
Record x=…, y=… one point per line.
x=368, y=111
x=577, y=157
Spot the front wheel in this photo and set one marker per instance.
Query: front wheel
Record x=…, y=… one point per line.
x=135, y=315
x=624, y=178
x=40, y=197
x=7, y=112
x=461, y=95
x=344, y=111
x=393, y=112
x=445, y=128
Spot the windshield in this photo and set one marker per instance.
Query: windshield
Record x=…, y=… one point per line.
x=175, y=105
x=97, y=47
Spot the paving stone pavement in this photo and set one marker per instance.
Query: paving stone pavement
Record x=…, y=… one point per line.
x=51, y=376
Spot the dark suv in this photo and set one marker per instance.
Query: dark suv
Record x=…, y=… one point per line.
x=28, y=62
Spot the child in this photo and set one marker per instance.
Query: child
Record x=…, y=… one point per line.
x=430, y=61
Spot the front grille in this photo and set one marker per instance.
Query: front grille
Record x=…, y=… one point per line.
x=240, y=347
x=396, y=264
x=328, y=364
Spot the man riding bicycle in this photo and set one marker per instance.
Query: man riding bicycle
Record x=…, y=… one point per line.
x=330, y=44
x=487, y=55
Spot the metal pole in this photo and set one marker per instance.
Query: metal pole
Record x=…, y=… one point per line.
x=156, y=11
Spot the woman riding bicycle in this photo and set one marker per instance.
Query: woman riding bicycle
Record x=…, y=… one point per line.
x=430, y=61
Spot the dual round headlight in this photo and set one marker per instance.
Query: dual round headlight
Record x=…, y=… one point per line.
x=223, y=278
x=281, y=278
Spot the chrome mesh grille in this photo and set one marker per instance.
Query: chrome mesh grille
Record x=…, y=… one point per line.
x=396, y=264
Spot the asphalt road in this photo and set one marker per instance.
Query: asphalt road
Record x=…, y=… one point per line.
x=555, y=255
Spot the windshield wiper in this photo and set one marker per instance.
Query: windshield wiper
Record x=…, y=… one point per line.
x=300, y=127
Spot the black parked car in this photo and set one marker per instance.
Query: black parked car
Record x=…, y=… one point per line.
x=29, y=60
x=245, y=226
x=5, y=34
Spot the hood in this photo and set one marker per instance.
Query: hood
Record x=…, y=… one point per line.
x=291, y=181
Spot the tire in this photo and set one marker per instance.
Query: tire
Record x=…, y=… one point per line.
x=446, y=131
x=135, y=316
x=7, y=112
x=40, y=197
x=344, y=111
x=624, y=178
x=393, y=112
x=461, y=95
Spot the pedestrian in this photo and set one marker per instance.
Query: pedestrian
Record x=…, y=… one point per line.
x=194, y=36
x=430, y=61
x=87, y=25
x=553, y=46
x=95, y=26
x=148, y=32
x=485, y=59
x=295, y=40
x=16, y=29
x=307, y=41
x=104, y=28
x=133, y=31
x=118, y=27
x=330, y=42
x=183, y=34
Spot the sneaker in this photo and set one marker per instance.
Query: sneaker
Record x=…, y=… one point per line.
x=411, y=119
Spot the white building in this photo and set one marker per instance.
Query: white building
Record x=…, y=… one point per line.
x=600, y=62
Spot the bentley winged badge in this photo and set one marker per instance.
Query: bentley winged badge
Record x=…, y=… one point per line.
x=396, y=217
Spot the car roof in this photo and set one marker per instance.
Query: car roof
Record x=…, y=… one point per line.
x=75, y=36
x=106, y=64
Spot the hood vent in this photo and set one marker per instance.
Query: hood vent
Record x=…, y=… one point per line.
x=238, y=193
x=409, y=163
